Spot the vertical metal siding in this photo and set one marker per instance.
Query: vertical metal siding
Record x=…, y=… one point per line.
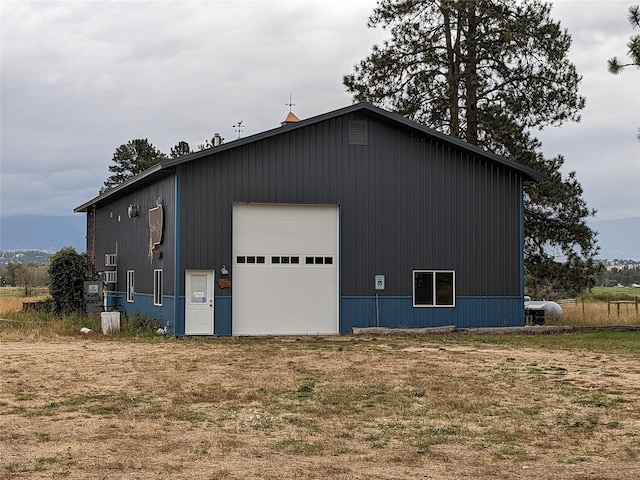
x=132, y=237
x=407, y=203
x=398, y=312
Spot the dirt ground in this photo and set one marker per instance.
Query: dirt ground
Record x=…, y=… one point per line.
x=343, y=408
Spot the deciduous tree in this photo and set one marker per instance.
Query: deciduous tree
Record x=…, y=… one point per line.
x=32, y=276
x=12, y=273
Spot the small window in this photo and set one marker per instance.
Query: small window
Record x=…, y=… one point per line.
x=259, y=259
x=295, y=260
x=433, y=288
x=328, y=260
x=157, y=287
x=110, y=260
x=241, y=259
x=251, y=259
x=319, y=260
x=130, y=285
x=308, y=260
x=275, y=260
x=284, y=260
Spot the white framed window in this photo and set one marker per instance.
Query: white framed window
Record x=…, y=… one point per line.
x=111, y=276
x=157, y=287
x=130, y=285
x=110, y=260
x=434, y=288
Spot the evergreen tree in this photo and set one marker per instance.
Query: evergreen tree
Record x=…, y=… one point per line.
x=131, y=159
x=181, y=148
x=488, y=72
x=633, y=45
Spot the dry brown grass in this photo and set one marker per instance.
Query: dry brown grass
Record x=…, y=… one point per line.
x=311, y=408
x=11, y=299
x=595, y=313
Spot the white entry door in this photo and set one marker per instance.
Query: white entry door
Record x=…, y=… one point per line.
x=198, y=302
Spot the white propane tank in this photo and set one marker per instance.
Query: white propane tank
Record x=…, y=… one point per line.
x=551, y=309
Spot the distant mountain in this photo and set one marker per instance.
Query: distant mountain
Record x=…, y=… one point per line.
x=618, y=238
x=39, y=232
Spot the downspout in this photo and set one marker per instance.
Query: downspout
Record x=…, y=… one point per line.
x=176, y=246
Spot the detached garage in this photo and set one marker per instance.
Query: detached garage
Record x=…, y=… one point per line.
x=354, y=218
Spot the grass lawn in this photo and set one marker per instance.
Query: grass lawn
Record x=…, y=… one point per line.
x=440, y=407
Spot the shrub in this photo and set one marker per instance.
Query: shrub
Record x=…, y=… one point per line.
x=67, y=272
x=138, y=323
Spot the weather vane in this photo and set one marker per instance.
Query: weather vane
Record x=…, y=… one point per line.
x=290, y=104
x=239, y=128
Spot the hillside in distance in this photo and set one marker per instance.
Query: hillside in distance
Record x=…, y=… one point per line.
x=618, y=239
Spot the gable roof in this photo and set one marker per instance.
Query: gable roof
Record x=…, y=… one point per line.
x=167, y=167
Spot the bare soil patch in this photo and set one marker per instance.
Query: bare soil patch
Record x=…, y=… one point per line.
x=345, y=408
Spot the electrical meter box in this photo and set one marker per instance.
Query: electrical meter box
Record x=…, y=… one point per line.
x=94, y=295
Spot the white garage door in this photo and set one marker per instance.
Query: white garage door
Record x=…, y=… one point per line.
x=285, y=269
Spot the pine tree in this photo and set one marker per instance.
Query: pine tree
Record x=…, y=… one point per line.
x=181, y=148
x=633, y=45
x=489, y=72
x=131, y=159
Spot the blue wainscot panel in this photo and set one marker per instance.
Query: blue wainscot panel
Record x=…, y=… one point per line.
x=143, y=305
x=399, y=312
x=222, y=316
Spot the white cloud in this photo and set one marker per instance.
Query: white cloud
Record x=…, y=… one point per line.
x=81, y=78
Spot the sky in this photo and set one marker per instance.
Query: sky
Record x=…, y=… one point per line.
x=80, y=78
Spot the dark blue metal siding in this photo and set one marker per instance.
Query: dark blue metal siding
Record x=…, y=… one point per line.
x=132, y=237
x=398, y=312
x=406, y=202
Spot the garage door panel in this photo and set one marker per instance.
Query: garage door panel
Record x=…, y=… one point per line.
x=280, y=296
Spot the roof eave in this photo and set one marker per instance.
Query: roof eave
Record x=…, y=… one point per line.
x=167, y=166
x=529, y=173
x=153, y=173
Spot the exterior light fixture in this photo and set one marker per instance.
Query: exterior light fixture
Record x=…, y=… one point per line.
x=133, y=210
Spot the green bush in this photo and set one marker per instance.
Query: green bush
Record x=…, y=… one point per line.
x=68, y=270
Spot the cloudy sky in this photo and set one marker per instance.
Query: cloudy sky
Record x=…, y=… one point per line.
x=80, y=78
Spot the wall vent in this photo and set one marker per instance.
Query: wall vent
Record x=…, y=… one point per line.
x=358, y=134
x=111, y=277
x=110, y=260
